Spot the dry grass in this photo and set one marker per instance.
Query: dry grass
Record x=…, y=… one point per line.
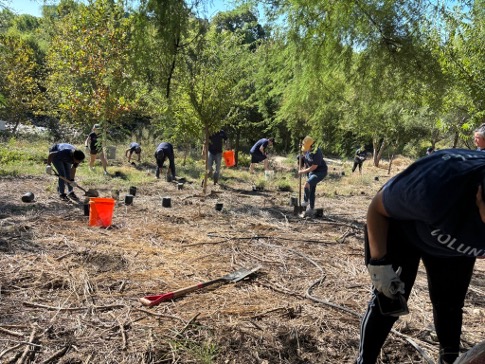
x=69, y=292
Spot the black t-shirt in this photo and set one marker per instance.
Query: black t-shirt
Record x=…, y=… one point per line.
x=435, y=198
x=215, y=142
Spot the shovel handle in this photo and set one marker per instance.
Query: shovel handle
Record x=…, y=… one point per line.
x=68, y=181
x=156, y=299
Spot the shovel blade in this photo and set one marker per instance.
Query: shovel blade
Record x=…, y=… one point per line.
x=92, y=193
x=240, y=274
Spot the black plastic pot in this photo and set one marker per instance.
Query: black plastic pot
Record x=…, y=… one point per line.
x=133, y=190
x=219, y=206
x=128, y=199
x=166, y=202
x=28, y=197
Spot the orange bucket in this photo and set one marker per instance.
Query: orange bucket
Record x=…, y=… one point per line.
x=229, y=158
x=101, y=211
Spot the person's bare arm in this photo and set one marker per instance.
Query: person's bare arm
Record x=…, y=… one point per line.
x=480, y=203
x=377, y=227
x=309, y=169
x=50, y=157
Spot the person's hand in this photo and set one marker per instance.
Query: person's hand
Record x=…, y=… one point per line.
x=48, y=169
x=73, y=184
x=385, y=279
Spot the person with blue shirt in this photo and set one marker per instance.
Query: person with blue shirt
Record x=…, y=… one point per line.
x=65, y=158
x=315, y=167
x=259, y=153
x=165, y=151
x=432, y=212
x=214, y=155
x=134, y=148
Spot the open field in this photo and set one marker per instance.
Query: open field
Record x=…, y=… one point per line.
x=69, y=292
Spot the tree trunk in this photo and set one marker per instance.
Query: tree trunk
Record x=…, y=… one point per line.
x=206, y=161
x=378, y=150
x=390, y=164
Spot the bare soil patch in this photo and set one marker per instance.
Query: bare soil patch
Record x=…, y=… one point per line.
x=69, y=292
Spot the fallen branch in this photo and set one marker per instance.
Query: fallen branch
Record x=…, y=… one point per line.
x=52, y=308
x=9, y=332
x=27, y=349
x=56, y=355
x=6, y=351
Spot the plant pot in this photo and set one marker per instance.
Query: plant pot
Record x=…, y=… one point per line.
x=128, y=199
x=166, y=202
x=28, y=197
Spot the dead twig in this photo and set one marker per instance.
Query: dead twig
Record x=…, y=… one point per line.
x=37, y=305
x=56, y=355
x=28, y=347
x=9, y=332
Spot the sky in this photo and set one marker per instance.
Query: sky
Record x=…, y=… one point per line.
x=34, y=7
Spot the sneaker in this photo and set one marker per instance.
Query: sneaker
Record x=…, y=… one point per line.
x=73, y=196
x=63, y=197
x=105, y=173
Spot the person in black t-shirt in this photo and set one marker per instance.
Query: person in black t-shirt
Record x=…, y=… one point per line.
x=65, y=158
x=165, y=151
x=94, y=145
x=214, y=155
x=433, y=211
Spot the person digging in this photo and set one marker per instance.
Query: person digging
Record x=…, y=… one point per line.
x=165, y=151
x=316, y=169
x=65, y=158
x=133, y=148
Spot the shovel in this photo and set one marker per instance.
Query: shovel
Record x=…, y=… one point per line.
x=235, y=276
x=89, y=193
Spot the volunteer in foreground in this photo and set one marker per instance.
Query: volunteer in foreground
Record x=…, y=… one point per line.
x=65, y=158
x=433, y=211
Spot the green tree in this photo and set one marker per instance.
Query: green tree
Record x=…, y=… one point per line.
x=18, y=81
x=208, y=92
x=90, y=77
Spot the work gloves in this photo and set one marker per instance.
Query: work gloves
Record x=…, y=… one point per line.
x=385, y=279
x=48, y=169
x=72, y=183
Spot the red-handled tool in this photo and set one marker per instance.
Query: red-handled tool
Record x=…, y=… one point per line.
x=235, y=276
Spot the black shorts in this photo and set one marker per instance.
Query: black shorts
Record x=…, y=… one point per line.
x=257, y=157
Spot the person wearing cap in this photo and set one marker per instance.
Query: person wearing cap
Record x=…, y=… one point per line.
x=214, y=155
x=94, y=145
x=429, y=151
x=65, y=158
x=479, y=137
x=134, y=148
x=315, y=167
x=359, y=158
x=165, y=151
x=259, y=153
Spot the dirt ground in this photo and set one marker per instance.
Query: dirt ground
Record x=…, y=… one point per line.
x=69, y=292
